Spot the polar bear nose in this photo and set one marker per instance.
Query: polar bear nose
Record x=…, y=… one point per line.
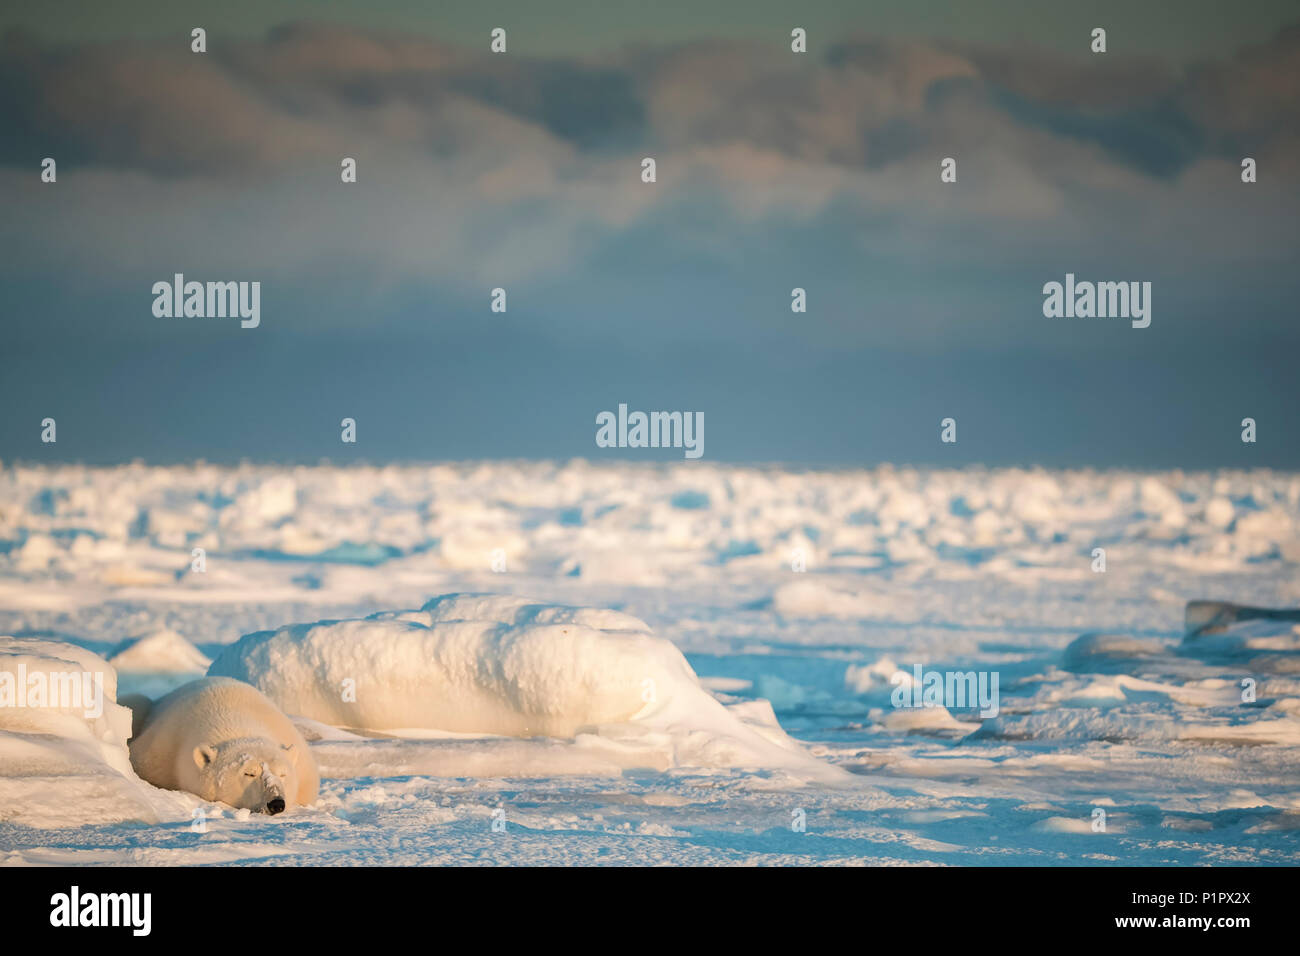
x=275, y=806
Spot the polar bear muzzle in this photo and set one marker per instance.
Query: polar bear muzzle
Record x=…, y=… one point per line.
x=257, y=775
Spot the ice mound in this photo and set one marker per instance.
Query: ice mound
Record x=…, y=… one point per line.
x=1259, y=641
x=465, y=664
x=162, y=652
x=157, y=664
x=1231, y=682
x=813, y=598
x=1215, y=617
x=63, y=754
x=490, y=665
x=1113, y=725
x=1097, y=652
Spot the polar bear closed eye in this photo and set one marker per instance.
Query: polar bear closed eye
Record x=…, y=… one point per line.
x=222, y=740
x=258, y=774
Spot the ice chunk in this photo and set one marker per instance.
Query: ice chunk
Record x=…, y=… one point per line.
x=499, y=665
x=63, y=754
x=1213, y=617
x=162, y=652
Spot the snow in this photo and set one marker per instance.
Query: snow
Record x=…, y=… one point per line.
x=506, y=666
x=64, y=763
x=817, y=599
x=163, y=652
x=522, y=693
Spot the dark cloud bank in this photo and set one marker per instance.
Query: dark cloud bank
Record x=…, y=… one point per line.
x=775, y=171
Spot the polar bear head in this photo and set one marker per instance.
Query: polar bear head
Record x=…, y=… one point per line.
x=253, y=773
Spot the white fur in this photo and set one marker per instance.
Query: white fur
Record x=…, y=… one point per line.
x=222, y=740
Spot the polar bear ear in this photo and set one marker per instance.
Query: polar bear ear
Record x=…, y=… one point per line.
x=204, y=755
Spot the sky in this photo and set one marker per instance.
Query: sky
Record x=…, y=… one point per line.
x=775, y=170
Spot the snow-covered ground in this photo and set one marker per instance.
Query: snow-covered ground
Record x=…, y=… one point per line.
x=1106, y=706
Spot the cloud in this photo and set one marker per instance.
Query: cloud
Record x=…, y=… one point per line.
x=775, y=170
x=1250, y=100
x=479, y=168
x=268, y=103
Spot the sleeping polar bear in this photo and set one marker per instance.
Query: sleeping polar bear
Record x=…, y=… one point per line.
x=223, y=741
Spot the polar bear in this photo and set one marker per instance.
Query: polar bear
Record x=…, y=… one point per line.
x=222, y=740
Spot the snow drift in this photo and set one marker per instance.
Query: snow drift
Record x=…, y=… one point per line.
x=63, y=759
x=491, y=665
